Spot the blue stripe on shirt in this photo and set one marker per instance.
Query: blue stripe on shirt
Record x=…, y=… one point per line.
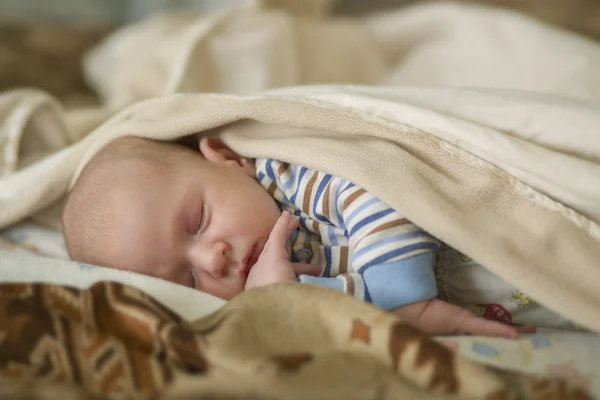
x=349, y=185
x=332, y=236
x=301, y=174
x=318, y=194
x=340, y=220
x=327, y=269
x=388, y=240
x=302, y=224
x=369, y=219
x=270, y=171
x=397, y=252
x=361, y=208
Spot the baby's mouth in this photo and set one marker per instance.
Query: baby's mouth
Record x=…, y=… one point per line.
x=254, y=255
x=250, y=259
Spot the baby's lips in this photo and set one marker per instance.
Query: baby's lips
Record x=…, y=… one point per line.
x=256, y=251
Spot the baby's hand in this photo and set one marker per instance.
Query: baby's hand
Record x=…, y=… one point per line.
x=274, y=264
x=440, y=318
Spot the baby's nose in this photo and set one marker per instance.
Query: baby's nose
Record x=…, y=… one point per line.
x=211, y=258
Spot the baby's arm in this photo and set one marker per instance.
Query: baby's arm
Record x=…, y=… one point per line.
x=440, y=318
x=388, y=285
x=399, y=279
x=390, y=258
x=433, y=316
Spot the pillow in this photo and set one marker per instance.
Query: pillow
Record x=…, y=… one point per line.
x=17, y=266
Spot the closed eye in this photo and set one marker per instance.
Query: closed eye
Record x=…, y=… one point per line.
x=195, y=220
x=201, y=224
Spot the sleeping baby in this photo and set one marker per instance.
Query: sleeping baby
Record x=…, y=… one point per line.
x=222, y=223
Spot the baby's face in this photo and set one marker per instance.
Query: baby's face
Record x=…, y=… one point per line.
x=201, y=223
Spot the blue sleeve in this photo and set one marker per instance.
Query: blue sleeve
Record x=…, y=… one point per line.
x=402, y=282
x=392, y=256
x=390, y=285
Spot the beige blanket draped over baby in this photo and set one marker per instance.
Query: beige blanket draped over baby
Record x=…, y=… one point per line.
x=510, y=178
x=435, y=163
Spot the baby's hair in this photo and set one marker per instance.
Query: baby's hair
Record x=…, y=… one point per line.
x=87, y=215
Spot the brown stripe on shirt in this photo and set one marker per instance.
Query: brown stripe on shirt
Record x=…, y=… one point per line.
x=353, y=197
x=343, y=260
x=349, y=283
x=272, y=188
x=326, y=201
x=282, y=168
x=315, y=226
x=391, y=224
x=308, y=192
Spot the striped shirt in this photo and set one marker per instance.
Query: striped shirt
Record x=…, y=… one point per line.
x=365, y=248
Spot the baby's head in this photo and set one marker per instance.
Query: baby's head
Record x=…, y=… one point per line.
x=197, y=218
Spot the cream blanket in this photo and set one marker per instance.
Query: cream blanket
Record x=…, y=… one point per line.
x=509, y=178
x=246, y=50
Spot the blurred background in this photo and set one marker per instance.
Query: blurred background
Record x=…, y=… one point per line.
x=42, y=41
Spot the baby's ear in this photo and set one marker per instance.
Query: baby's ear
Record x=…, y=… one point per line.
x=214, y=150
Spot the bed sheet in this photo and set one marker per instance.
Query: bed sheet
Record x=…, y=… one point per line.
x=567, y=354
x=33, y=238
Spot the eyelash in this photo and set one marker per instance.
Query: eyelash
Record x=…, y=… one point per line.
x=201, y=221
x=192, y=272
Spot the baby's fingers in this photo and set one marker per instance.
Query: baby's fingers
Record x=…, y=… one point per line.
x=483, y=327
x=525, y=329
x=280, y=232
x=292, y=225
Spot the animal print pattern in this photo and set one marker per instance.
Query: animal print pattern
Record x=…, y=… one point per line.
x=115, y=341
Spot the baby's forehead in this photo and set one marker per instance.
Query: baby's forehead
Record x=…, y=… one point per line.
x=127, y=169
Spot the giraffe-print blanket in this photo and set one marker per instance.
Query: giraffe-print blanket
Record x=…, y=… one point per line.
x=115, y=341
